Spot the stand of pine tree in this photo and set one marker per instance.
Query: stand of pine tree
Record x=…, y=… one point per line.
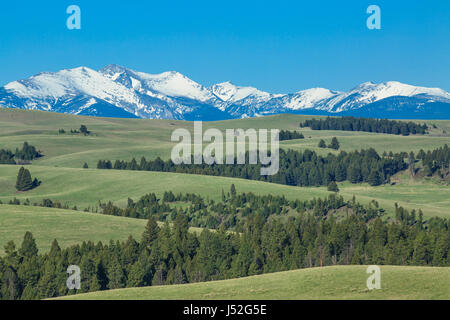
x=235, y=209
x=297, y=168
x=367, y=125
x=27, y=153
x=290, y=135
x=24, y=181
x=435, y=162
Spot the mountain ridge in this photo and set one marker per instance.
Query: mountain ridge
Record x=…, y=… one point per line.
x=116, y=91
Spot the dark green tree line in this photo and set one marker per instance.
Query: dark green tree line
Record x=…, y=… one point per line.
x=367, y=125
x=297, y=168
x=27, y=153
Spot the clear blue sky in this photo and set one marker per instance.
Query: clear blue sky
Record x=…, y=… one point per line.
x=277, y=46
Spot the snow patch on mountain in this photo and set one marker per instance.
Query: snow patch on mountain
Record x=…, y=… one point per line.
x=228, y=92
x=309, y=98
x=171, y=95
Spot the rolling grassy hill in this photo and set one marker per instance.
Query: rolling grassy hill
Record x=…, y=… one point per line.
x=340, y=282
x=64, y=180
x=127, y=138
x=85, y=187
x=69, y=227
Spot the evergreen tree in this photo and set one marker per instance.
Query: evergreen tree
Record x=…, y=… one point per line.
x=116, y=275
x=136, y=277
x=441, y=250
x=19, y=179
x=24, y=181
x=334, y=144
x=332, y=186
x=150, y=233
x=354, y=173
x=29, y=248
x=374, y=178
x=10, y=289
x=159, y=278
x=36, y=183
x=94, y=284
x=233, y=190
x=322, y=144
x=84, y=130
x=47, y=287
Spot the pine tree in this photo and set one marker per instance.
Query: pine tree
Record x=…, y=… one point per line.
x=340, y=173
x=30, y=292
x=159, y=278
x=332, y=186
x=47, y=283
x=29, y=248
x=24, y=181
x=116, y=275
x=94, y=285
x=179, y=276
x=88, y=268
x=354, y=173
x=136, y=276
x=422, y=250
x=55, y=250
x=233, y=190
x=10, y=289
x=441, y=250
x=27, y=182
x=374, y=178
x=19, y=179
x=334, y=144
x=36, y=183
x=150, y=233
x=84, y=130
x=322, y=144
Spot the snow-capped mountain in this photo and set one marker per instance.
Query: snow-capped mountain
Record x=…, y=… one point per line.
x=369, y=92
x=115, y=91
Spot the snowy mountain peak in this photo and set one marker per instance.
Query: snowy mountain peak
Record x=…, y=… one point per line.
x=310, y=98
x=174, y=84
x=394, y=88
x=112, y=69
x=118, y=91
x=228, y=92
x=318, y=92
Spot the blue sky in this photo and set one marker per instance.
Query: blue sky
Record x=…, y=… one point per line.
x=277, y=46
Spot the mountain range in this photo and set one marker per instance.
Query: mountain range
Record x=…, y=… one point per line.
x=116, y=91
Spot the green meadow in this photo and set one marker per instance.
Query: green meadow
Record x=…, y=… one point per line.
x=339, y=282
x=86, y=187
x=67, y=226
x=64, y=180
x=127, y=138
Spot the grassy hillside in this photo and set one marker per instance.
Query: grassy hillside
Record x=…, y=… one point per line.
x=64, y=180
x=85, y=187
x=342, y=282
x=67, y=226
x=127, y=138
